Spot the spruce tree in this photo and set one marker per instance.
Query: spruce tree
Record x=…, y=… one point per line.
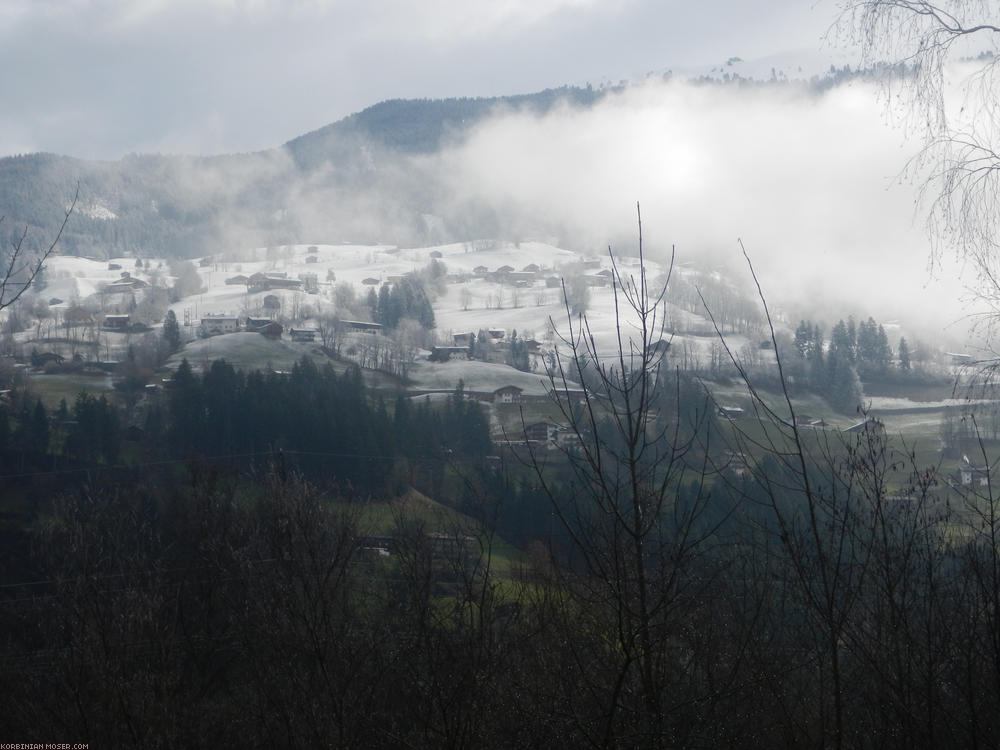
x=171, y=331
x=904, y=354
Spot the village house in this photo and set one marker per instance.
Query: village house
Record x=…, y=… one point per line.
x=265, y=327
x=444, y=353
x=508, y=394
x=543, y=433
x=216, y=324
x=116, y=322
x=568, y=439
x=361, y=326
x=264, y=282
x=970, y=474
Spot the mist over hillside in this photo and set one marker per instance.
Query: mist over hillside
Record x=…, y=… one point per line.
x=357, y=179
x=807, y=174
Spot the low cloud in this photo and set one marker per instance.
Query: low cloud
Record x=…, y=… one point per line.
x=809, y=181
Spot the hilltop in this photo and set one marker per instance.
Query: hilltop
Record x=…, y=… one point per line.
x=359, y=178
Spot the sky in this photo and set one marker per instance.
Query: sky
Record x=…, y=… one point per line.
x=99, y=79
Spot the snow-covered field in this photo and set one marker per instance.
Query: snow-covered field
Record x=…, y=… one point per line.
x=469, y=301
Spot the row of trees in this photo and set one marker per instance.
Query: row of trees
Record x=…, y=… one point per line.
x=834, y=367
x=406, y=299
x=89, y=431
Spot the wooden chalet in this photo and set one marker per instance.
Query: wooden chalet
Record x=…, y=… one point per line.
x=216, y=324
x=508, y=394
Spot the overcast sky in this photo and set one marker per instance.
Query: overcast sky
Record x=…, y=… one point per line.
x=102, y=78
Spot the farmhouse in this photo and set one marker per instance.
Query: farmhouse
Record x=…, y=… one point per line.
x=508, y=394
x=238, y=280
x=303, y=334
x=264, y=282
x=265, y=327
x=541, y=432
x=360, y=326
x=970, y=474
x=215, y=324
x=116, y=322
x=125, y=284
x=444, y=353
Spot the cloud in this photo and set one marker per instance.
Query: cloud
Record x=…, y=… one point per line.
x=810, y=183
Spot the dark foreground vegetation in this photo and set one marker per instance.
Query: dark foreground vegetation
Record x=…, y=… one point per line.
x=678, y=598
x=242, y=571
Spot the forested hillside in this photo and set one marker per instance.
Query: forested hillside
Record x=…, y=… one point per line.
x=353, y=179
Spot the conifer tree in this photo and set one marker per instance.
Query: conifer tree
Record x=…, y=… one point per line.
x=904, y=354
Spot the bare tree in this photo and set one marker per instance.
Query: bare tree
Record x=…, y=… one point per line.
x=634, y=517
x=21, y=269
x=939, y=61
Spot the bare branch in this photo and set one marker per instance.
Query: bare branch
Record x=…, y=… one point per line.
x=20, y=272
